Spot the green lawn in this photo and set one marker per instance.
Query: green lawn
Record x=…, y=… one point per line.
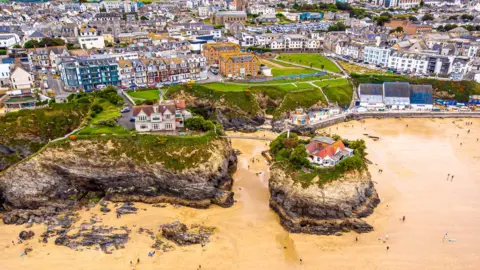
x=225, y=87
x=338, y=90
x=314, y=59
x=291, y=71
x=281, y=63
x=96, y=130
x=109, y=111
x=148, y=94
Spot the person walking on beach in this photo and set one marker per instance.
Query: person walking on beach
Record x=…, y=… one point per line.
x=451, y=179
x=445, y=236
x=448, y=176
x=388, y=248
x=403, y=219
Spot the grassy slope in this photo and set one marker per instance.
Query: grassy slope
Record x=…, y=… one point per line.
x=302, y=98
x=339, y=90
x=459, y=90
x=174, y=152
x=31, y=129
x=148, y=94
x=306, y=59
x=109, y=111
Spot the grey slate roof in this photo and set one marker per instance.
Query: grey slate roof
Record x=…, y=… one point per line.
x=371, y=89
x=397, y=89
x=326, y=140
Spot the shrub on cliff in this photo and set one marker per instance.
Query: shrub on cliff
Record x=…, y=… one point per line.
x=200, y=124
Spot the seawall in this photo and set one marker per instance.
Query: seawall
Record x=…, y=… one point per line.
x=360, y=116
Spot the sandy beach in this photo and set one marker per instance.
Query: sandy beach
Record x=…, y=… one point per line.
x=415, y=162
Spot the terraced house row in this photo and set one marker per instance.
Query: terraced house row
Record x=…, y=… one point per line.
x=152, y=71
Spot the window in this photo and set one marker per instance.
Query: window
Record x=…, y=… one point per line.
x=168, y=126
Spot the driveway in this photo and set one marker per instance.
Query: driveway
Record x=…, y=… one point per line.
x=124, y=120
x=55, y=84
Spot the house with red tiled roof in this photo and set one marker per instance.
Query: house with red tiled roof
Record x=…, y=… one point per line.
x=166, y=115
x=327, y=152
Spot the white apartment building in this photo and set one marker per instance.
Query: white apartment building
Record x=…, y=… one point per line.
x=9, y=40
x=260, y=9
x=342, y=48
x=376, y=55
x=90, y=42
x=203, y=11
x=4, y=75
x=413, y=63
x=291, y=16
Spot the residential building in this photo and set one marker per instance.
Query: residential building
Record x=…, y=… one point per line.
x=327, y=152
x=238, y=64
x=4, y=75
x=408, y=62
x=376, y=55
x=45, y=57
x=166, y=115
x=410, y=28
x=89, y=39
x=9, y=40
x=222, y=17
x=19, y=99
x=21, y=79
x=395, y=95
x=261, y=10
x=89, y=73
x=211, y=51
x=308, y=16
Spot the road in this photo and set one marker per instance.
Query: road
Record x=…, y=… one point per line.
x=124, y=120
x=55, y=84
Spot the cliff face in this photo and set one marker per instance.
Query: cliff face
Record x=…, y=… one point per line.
x=231, y=117
x=332, y=208
x=61, y=175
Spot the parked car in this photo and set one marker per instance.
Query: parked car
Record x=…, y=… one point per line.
x=132, y=119
x=124, y=110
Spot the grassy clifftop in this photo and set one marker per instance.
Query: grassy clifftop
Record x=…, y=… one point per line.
x=252, y=99
x=25, y=132
x=174, y=152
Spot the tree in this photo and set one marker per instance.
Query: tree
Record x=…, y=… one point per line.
x=298, y=157
x=428, y=17
x=31, y=44
x=453, y=17
x=339, y=26
x=466, y=17
x=144, y=18
x=422, y=3
x=103, y=10
x=399, y=29
x=412, y=18
x=16, y=46
x=382, y=20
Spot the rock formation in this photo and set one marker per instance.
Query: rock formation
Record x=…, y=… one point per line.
x=329, y=209
x=123, y=171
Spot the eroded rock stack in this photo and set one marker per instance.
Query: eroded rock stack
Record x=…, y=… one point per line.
x=329, y=209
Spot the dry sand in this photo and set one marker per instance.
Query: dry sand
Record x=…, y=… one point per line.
x=415, y=160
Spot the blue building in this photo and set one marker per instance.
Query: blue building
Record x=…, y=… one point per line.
x=421, y=96
x=307, y=16
x=89, y=73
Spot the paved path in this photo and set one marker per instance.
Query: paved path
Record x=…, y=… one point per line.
x=316, y=86
x=248, y=138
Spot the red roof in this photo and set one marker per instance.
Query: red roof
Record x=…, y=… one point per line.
x=323, y=151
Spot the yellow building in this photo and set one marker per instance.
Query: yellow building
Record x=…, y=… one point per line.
x=238, y=64
x=211, y=51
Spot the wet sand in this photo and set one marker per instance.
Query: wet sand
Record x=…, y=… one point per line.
x=415, y=163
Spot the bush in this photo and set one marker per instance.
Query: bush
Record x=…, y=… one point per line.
x=200, y=124
x=108, y=122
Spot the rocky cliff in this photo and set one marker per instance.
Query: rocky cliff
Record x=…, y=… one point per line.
x=193, y=172
x=329, y=209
